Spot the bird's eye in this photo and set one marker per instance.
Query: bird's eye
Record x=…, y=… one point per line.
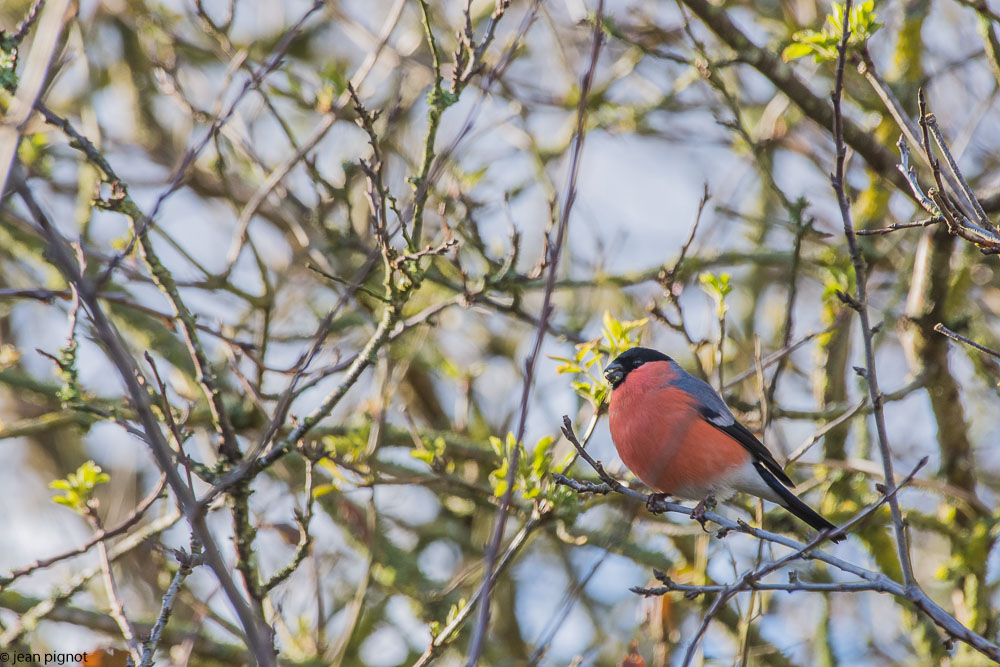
x=637, y=363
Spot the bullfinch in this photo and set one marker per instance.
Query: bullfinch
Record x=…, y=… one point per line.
x=678, y=436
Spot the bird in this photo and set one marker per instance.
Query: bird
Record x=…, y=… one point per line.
x=678, y=436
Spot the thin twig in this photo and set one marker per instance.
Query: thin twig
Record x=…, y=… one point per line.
x=942, y=329
x=829, y=426
x=445, y=636
x=870, y=372
x=29, y=19
x=691, y=591
x=777, y=355
x=479, y=634
x=668, y=276
x=933, y=220
x=100, y=536
x=253, y=81
x=441, y=157
x=117, y=607
x=895, y=108
x=305, y=538
x=168, y=416
x=935, y=201
x=930, y=122
x=30, y=618
x=187, y=563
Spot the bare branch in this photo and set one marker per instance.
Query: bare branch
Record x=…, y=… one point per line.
x=861, y=274
x=901, y=225
x=258, y=632
x=940, y=328
x=931, y=123
x=100, y=536
x=493, y=548
x=657, y=504
x=111, y=590
x=187, y=563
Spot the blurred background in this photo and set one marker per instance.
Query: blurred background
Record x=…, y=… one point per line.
x=232, y=126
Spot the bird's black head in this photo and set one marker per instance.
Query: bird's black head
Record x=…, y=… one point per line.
x=628, y=361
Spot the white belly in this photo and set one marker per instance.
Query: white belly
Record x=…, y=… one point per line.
x=744, y=479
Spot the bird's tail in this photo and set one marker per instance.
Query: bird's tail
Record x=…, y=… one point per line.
x=791, y=502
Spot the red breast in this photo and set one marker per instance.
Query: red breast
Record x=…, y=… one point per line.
x=663, y=438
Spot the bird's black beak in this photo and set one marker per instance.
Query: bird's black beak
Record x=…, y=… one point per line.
x=614, y=374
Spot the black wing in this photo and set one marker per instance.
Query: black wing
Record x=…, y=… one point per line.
x=796, y=506
x=742, y=435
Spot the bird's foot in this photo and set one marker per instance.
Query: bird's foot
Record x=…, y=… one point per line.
x=653, y=499
x=707, y=504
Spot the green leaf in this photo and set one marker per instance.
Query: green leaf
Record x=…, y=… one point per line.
x=323, y=489
x=423, y=455
x=631, y=325
x=78, y=487
x=541, y=453
x=795, y=50
x=823, y=46
x=616, y=329
x=591, y=356
x=836, y=18
x=718, y=287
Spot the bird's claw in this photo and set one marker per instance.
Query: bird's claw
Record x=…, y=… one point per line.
x=707, y=504
x=653, y=499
